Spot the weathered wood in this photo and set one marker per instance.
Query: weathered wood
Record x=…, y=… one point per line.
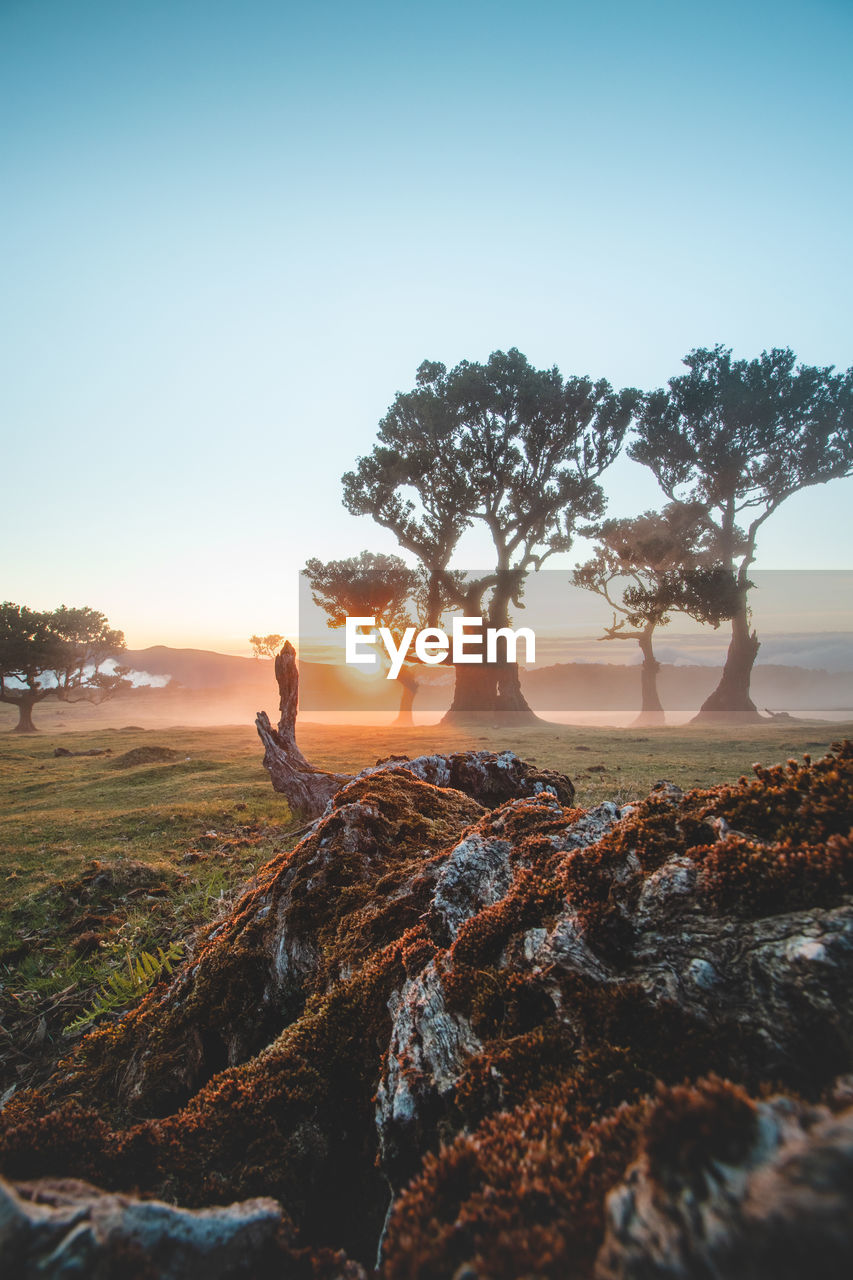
x=308, y=790
x=287, y=678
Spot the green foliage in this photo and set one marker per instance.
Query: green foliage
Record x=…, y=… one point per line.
x=366, y=585
x=515, y=448
x=733, y=439
x=56, y=653
x=709, y=594
x=121, y=988
x=738, y=437
x=654, y=564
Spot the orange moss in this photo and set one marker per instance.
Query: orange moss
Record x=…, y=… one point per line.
x=296, y=1123
x=787, y=846
x=744, y=877
x=690, y=1127
x=523, y=1195
x=355, y=885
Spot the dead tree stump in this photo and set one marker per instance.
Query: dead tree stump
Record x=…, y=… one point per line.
x=307, y=790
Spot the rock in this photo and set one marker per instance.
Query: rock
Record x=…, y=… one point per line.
x=489, y=778
x=428, y=1044
x=699, y=1180
x=58, y=1228
x=293, y=935
x=783, y=1207
x=476, y=874
x=432, y=1045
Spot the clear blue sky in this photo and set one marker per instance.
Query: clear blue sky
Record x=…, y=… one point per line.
x=232, y=230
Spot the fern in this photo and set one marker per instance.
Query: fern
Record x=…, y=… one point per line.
x=124, y=986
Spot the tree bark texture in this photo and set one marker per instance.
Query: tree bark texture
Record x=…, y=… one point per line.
x=651, y=707
x=307, y=790
x=25, y=715
x=730, y=701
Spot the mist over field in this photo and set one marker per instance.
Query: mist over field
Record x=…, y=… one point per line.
x=198, y=688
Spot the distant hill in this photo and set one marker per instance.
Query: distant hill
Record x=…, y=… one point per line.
x=198, y=668
x=580, y=686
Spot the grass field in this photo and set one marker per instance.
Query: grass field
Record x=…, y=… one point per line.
x=104, y=856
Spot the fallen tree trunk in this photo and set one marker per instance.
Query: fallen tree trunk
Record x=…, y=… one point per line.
x=307, y=789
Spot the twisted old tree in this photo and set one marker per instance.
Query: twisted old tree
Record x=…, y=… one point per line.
x=647, y=568
x=58, y=654
x=737, y=438
x=502, y=444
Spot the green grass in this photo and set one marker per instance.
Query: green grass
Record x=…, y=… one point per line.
x=633, y=759
x=99, y=861
x=60, y=812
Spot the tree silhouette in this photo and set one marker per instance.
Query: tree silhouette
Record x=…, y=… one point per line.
x=56, y=654
x=645, y=568
x=266, y=646
x=370, y=585
x=737, y=438
x=502, y=444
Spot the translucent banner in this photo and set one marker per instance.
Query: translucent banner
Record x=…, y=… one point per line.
x=378, y=649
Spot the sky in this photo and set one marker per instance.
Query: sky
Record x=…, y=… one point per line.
x=233, y=230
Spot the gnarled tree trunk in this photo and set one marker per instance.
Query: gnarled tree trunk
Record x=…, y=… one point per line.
x=308, y=790
x=409, y=686
x=651, y=707
x=730, y=702
x=489, y=693
x=511, y=705
x=25, y=714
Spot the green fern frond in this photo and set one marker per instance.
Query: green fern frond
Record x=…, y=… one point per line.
x=122, y=987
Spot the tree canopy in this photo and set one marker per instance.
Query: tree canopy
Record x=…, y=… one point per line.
x=637, y=553
x=735, y=439
x=56, y=653
x=266, y=646
x=366, y=585
x=377, y=586
x=739, y=437
x=502, y=444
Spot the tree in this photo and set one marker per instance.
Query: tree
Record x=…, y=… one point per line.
x=646, y=568
x=56, y=654
x=376, y=586
x=266, y=646
x=737, y=438
x=503, y=444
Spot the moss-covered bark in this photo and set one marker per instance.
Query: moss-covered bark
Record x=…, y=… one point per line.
x=419, y=965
